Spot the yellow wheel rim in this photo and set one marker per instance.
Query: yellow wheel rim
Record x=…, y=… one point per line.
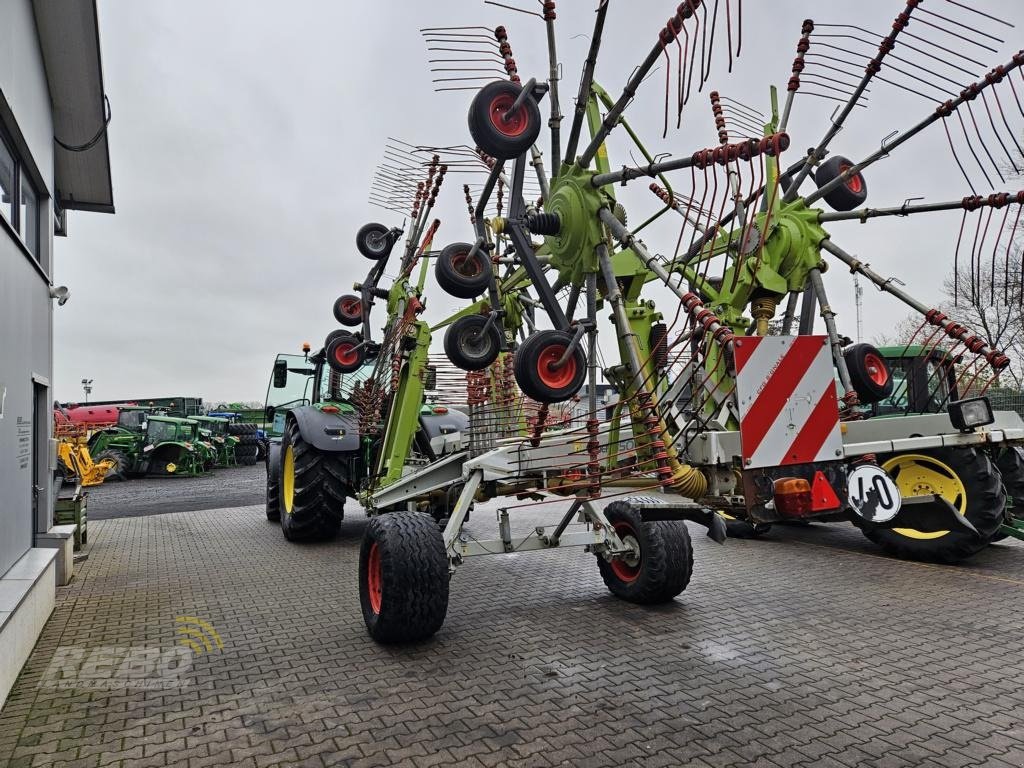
x=918, y=475
x=288, y=480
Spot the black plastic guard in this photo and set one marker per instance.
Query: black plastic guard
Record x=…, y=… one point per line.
x=927, y=514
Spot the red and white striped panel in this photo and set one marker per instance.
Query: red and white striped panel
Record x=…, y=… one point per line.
x=789, y=411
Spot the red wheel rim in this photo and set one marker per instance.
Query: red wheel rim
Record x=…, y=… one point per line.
x=855, y=183
x=555, y=378
x=373, y=578
x=345, y=354
x=517, y=122
x=465, y=267
x=624, y=571
x=350, y=308
x=876, y=369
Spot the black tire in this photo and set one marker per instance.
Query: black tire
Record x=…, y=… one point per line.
x=273, y=498
x=496, y=137
x=533, y=367
x=665, y=562
x=348, y=310
x=1010, y=463
x=460, y=276
x=847, y=196
x=312, y=507
x=374, y=241
x=869, y=373
x=984, y=505
x=344, y=355
x=403, y=577
x=245, y=457
x=118, y=472
x=468, y=347
x=659, y=346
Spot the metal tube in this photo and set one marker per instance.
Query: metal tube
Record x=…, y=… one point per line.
x=787, y=320
x=818, y=288
x=536, y=160
x=651, y=170
x=554, y=122
x=904, y=210
x=614, y=296
x=585, y=82
x=856, y=265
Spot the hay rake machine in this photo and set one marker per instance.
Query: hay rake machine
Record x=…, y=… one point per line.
x=721, y=408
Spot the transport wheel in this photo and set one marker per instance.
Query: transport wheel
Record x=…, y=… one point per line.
x=967, y=479
x=344, y=355
x=496, y=136
x=348, y=309
x=374, y=241
x=869, y=373
x=403, y=577
x=120, y=469
x=535, y=369
x=314, y=485
x=273, y=498
x=468, y=347
x=744, y=529
x=462, y=276
x=661, y=565
x=847, y=196
x=1010, y=463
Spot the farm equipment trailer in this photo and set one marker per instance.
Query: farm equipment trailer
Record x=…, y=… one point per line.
x=723, y=419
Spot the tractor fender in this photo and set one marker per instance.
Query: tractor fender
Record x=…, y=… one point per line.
x=446, y=432
x=274, y=461
x=329, y=432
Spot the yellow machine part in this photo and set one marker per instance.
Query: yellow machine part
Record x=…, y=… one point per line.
x=74, y=453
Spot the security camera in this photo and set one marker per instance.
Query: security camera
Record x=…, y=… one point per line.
x=61, y=294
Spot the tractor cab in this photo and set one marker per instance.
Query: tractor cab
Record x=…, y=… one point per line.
x=924, y=381
x=173, y=446
x=217, y=432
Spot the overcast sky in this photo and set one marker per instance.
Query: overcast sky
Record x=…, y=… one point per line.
x=245, y=136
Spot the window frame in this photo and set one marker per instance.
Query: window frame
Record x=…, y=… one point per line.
x=20, y=177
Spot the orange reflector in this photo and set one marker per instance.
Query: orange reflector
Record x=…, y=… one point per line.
x=793, y=496
x=329, y=409
x=823, y=495
x=440, y=409
x=305, y=346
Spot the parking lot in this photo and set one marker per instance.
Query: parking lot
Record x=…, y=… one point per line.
x=804, y=648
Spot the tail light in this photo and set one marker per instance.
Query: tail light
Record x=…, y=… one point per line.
x=793, y=497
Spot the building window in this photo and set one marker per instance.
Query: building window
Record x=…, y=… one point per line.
x=19, y=201
x=6, y=183
x=28, y=216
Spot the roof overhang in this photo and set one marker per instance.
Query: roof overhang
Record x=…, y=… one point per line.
x=69, y=37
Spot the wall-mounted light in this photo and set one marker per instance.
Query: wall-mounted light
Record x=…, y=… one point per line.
x=60, y=293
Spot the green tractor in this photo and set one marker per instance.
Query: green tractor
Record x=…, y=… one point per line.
x=217, y=432
x=144, y=443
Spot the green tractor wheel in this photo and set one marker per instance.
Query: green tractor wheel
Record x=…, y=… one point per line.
x=1011, y=466
x=313, y=488
x=967, y=479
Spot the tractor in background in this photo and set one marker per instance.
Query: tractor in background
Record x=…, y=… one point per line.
x=216, y=431
x=147, y=443
x=252, y=440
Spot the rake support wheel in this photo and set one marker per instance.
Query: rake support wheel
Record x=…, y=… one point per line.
x=498, y=136
x=468, y=346
x=462, y=276
x=348, y=310
x=344, y=353
x=537, y=369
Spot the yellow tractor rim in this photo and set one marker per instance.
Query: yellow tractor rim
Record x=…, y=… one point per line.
x=918, y=475
x=288, y=480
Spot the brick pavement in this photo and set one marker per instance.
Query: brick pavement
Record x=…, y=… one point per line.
x=803, y=649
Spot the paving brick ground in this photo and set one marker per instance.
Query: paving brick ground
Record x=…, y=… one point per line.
x=806, y=648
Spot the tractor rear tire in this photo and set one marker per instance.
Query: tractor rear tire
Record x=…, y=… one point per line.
x=273, y=498
x=313, y=489
x=117, y=472
x=403, y=577
x=664, y=564
x=1010, y=463
x=965, y=477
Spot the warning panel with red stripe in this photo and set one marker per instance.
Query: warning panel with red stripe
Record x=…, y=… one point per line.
x=789, y=410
